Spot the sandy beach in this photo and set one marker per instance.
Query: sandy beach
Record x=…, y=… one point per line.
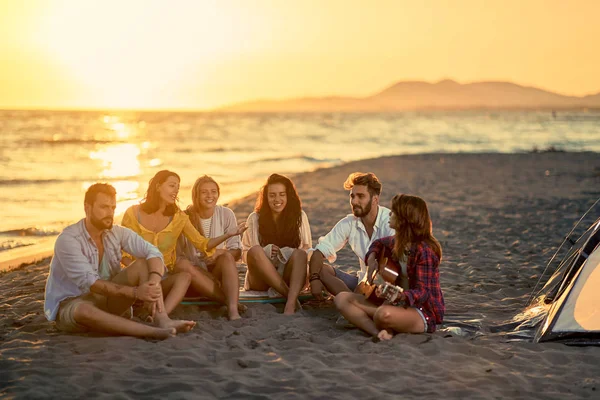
x=499, y=218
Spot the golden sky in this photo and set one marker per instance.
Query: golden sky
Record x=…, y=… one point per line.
x=200, y=54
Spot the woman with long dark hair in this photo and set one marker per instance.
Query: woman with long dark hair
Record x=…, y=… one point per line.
x=159, y=220
x=416, y=254
x=277, y=240
x=214, y=276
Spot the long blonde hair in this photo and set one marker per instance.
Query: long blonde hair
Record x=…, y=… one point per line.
x=193, y=209
x=413, y=225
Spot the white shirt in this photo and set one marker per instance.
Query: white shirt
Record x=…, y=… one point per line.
x=351, y=230
x=223, y=221
x=74, y=266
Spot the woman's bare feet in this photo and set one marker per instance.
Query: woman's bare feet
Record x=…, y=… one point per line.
x=290, y=309
x=234, y=316
x=234, y=312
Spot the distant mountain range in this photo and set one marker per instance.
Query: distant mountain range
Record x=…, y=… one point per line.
x=415, y=95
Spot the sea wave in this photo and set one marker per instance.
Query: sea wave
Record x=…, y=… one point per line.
x=18, y=182
x=243, y=149
x=61, y=142
x=301, y=157
x=30, y=232
x=12, y=244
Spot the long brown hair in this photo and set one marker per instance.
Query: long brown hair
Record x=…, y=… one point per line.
x=286, y=231
x=151, y=201
x=413, y=225
x=193, y=209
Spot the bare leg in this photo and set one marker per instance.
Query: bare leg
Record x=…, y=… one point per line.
x=226, y=272
x=357, y=310
x=174, y=288
x=399, y=319
x=262, y=273
x=333, y=284
x=203, y=282
x=295, y=274
x=91, y=316
x=135, y=274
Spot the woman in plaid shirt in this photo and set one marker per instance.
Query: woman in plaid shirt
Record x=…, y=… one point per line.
x=416, y=253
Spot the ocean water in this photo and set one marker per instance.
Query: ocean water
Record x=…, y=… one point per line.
x=49, y=158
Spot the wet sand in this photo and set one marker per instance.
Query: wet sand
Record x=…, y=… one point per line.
x=499, y=217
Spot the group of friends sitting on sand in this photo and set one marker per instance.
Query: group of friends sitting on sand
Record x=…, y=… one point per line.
x=161, y=254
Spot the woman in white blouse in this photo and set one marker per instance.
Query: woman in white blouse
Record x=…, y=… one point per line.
x=275, y=245
x=215, y=276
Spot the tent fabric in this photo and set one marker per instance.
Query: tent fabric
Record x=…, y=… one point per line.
x=573, y=293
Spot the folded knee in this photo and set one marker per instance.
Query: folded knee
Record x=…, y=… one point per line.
x=299, y=255
x=341, y=299
x=226, y=257
x=184, y=276
x=84, y=312
x=255, y=252
x=383, y=317
x=183, y=265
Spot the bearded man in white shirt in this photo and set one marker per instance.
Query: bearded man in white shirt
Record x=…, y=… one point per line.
x=87, y=289
x=368, y=222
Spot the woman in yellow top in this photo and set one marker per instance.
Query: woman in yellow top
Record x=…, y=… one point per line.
x=159, y=220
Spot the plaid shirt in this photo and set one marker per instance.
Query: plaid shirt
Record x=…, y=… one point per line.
x=423, y=278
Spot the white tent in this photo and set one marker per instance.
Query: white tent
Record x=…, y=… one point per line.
x=573, y=293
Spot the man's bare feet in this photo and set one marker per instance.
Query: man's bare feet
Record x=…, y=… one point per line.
x=384, y=335
x=181, y=326
x=162, y=334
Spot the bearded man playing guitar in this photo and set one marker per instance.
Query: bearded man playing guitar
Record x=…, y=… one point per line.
x=413, y=302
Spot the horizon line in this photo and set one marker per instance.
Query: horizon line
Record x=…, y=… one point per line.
x=219, y=108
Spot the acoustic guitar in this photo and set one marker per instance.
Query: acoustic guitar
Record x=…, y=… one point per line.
x=385, y=278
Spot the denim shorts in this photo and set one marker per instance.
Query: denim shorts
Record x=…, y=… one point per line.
x=351, y=280
x=420, y=311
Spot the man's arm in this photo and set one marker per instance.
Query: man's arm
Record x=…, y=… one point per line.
x=316, y=262
x=74, y=263
x=156, y=268
x=333, y=242
x=147, y=291
x=111, y=289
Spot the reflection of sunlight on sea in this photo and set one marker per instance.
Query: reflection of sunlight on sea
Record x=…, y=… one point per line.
x=118, y=160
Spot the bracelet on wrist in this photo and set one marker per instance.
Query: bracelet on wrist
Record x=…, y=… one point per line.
x=157, y=273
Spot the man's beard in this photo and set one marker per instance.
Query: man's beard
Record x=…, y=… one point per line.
x=101, y=224
x=362, y=212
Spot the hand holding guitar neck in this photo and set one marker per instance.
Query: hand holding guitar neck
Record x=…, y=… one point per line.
x=372, y=268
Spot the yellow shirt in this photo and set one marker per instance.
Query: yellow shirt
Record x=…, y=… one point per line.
x=166, y=240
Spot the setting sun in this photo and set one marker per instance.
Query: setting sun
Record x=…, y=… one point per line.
x=139, y=52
